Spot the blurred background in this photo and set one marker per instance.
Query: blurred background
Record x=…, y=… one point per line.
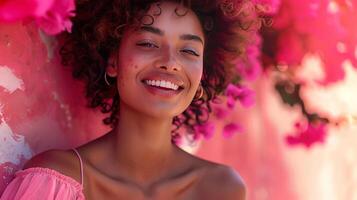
x=289, y=127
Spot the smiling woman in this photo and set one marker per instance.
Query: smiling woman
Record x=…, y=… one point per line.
x=152, y=65
x=99, y=29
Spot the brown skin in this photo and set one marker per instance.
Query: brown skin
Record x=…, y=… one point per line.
x=137, y=160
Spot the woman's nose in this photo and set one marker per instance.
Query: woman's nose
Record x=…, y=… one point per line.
x=168, y=60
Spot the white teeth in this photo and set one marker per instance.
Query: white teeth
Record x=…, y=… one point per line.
x=162, y=83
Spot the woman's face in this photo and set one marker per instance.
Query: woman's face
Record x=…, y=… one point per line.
x=153, y=60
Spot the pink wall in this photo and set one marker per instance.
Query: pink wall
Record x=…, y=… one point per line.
x=42, y=107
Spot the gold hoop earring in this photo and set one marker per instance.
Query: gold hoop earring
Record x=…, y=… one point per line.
x=200, y=88
x=106, y=80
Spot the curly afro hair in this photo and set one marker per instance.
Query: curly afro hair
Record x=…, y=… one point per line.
x=229, y=27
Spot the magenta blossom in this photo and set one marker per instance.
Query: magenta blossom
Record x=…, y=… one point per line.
x=57, y=18
x=291, y=49
x=51, y=16
x=13, y=10
x=322, y=27
x=230, y=129
x=220, y=111
x=250, y=68
x=308, y=135
x=241, y=93
x=207, y=130
x=249, y=71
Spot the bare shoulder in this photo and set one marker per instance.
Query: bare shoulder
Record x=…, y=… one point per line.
x=62, y=161
x=222, y=182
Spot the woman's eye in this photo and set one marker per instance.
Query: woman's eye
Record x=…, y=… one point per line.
x=147, y=44
x=190, y=52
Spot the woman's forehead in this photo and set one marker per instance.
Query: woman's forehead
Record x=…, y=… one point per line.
x=169, y=17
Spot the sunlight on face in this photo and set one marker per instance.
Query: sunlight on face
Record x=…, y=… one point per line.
x=171, y=49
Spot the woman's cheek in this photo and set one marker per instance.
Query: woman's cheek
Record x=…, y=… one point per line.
x=126, y=72
x=195, y=74
x=195, y=71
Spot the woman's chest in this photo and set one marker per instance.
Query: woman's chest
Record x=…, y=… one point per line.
x=140, y=195
x=180, y=188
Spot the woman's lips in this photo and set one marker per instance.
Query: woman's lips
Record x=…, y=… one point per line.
x=175, y=79
x=163, y=92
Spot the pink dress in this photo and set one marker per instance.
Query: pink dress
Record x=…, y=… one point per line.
x=44, y=184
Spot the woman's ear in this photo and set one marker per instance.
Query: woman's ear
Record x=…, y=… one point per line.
x=112, y=68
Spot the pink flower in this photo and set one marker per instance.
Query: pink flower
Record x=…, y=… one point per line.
x=207, y=130
x=314, y=26
x=308, y=135
x=250, y=67
x=241, y=93
x=12, y=10
x=249, y=70
x=230, y=129
x=220, y=111
x=51, y=16
x=57, y=18
x=290, y=49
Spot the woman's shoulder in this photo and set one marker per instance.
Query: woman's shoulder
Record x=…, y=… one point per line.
x=221, y=182
x=47, y=175
x=65, y=162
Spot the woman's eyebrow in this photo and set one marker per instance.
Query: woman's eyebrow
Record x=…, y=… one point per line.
x=159, y=32
x=151, y=29
x=191, y=37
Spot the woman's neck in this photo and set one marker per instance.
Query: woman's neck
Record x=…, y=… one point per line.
x=142, y=145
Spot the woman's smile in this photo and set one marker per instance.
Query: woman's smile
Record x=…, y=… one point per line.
x=162, y=91
x=163, y=84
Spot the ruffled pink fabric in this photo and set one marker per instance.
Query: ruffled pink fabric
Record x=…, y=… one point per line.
x=42, y=183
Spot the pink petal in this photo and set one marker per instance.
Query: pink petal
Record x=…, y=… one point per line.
x=290, y=49
x=207, y=130
x=250, y=68
x=249, y=71
x=247, y=97
x=220, y=112
x=57, y=19
x=233, y=90
x=231, y=102
x=308, y=136
x=12, y=10
x=230, y=129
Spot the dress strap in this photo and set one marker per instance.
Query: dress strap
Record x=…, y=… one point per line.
x=81, y=163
